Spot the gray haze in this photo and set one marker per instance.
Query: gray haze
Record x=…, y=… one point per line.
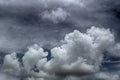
x=25, y=22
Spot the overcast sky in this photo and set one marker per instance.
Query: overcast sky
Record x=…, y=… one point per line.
x=59, y=39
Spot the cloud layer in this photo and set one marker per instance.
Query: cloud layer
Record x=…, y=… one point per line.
x=44, y=23
x=19, y=19
x=80, y=55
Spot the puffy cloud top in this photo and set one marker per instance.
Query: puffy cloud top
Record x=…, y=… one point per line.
x=80, y=54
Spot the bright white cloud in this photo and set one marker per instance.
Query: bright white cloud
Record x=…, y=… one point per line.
x=11, y=64
x=80, y=54
x=103, y=38
x=32, y=57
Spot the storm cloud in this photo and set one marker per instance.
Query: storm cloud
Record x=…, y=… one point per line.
x=24, y=23
x=58, y=39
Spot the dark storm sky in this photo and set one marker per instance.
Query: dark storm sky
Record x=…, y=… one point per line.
x=45, y=22
x=21, y=22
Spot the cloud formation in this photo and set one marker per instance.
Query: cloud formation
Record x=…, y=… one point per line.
x=44, y=22
x=19, y=19
x=80, y=55
x=56, y=16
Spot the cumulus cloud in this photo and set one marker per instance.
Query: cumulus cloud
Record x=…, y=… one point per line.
x=32, y=57
x=11, y=64
x=103, y=37
x=25, y=22
x=80, y=55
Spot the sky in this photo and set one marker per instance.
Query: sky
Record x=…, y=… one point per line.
x=59, y=40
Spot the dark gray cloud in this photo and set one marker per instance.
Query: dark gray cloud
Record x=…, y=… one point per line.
x=22, y=23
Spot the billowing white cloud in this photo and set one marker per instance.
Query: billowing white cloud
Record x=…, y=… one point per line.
x=32, y=57
x=103, y=38
x=80, y=55
x=11, y=64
